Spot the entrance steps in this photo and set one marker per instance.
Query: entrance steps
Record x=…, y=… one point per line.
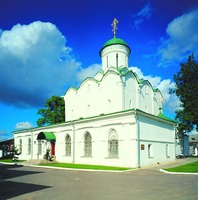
x=38, y=161
x=33, y=161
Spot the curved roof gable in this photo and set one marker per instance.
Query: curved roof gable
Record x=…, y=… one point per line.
x=116, y=71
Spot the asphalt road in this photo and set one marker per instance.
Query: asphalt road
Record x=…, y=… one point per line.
x=25, y=182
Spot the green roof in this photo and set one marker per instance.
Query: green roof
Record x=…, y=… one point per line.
x=114, y=41
x=46, y=136
x=164, y=117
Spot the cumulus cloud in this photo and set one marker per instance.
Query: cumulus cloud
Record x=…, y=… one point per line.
x=182, y=39
x=23, y=125
x=170, y=101
x=144, y=14
x=35, y=63
x=90, y=71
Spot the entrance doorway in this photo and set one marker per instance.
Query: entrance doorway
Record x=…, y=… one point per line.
x=52, y=148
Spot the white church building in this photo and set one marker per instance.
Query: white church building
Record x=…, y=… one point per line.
x=112, y=119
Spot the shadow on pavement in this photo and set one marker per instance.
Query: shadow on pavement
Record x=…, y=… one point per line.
x=9, y=188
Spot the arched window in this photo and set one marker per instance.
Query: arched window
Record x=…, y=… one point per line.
x=88, y=88
x=39, y=147
x=130, y=104
x=167, y=151
x=68, y=145
x=116, y=60
x=150, y=150
x=88, y=110
x=113, y=144
x=29, y=146
x=20, y=146
x=146, y=89
x=107, y=62
x=87, y=145
x=109, y=105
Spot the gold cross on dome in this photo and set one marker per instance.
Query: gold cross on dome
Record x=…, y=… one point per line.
x=114, y=24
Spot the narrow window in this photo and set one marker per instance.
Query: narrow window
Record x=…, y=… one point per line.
x=109, y=106
x=20, y=145
x=39, y=147
x=113, y=144
x=146, y=89
x=29, y=146
x=68, y=145
x=87, y=145
x=167, y=151
x=107, y=62
x=130, y=104
x=88, y=88
x=150, y=151
x=88, y=110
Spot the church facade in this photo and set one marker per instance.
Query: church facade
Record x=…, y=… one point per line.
x=112, y=119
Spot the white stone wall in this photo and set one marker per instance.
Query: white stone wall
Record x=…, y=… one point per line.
x=112, y=94
x=158, y=133
x=93, y=99
x=161, y=137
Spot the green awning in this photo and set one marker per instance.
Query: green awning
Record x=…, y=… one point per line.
x=46, y=136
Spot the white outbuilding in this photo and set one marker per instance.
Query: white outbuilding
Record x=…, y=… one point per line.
x=112, y=119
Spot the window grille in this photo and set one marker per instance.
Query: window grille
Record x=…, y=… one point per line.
x=68, y=145
x=29, y=146
x=150, y=150
x=113, y=145
x=87, y=145
x=39, y=147
x=20, y=145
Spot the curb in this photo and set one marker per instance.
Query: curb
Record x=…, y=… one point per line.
x=177, y=173
x=62, y=168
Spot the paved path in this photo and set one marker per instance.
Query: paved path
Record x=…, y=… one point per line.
x=24, y=182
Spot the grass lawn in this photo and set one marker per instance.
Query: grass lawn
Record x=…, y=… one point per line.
x=189, y=168
x=10, y=160
x=81, y=166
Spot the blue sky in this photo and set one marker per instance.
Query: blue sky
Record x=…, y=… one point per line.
x=46, y=46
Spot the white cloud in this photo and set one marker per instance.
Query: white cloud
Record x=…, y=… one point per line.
x=170, y=101
x=144, y=14
x=146, y=11
x=35, y=63
x=23, y=125
x=182, y=39
x=153, y=80
x=88, y=72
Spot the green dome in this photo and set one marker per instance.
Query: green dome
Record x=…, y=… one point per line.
x=114, y=41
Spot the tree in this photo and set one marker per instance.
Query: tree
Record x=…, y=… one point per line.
x=187, y=90
x=53, y=113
